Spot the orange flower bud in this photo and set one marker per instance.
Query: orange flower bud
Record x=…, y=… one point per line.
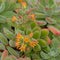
x=24, y=4
x=20, y=1
x=31, y=34
x=14, y=19
x=33, y=16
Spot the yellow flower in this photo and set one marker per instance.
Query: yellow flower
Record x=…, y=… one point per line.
x=33, y=43
x=14, y=19
x=26, y=40
x=24, y=4
x=23, y=47
x=19, y=36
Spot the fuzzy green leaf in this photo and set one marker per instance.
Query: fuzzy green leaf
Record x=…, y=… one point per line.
x=2, y=47
x=44, y=55
x=12, y=51
x=8, y=33
x=3, y=19
x=3, y=39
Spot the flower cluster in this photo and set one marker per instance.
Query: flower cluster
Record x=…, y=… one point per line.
x=23, y=42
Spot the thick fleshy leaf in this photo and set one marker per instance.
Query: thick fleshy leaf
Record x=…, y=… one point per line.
x=8, y=33
x=8, y=14
x=43, y=2
x=2, y=47
x=12, y=51
x=36, y=34
x=2, y=7
x=37, y=48
x=44, y=33
x=10, y=58
x=44, y=55
x=3, y=19
x=12, y=43
x=52, y=3
x=3, y=39
x=4, y=55
x=35, y=57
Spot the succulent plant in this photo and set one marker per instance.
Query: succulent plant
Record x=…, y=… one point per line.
x=47, y=17
x=28, y=34
x=46, y=11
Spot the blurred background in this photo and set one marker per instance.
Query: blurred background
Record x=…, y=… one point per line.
x=57, y=0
